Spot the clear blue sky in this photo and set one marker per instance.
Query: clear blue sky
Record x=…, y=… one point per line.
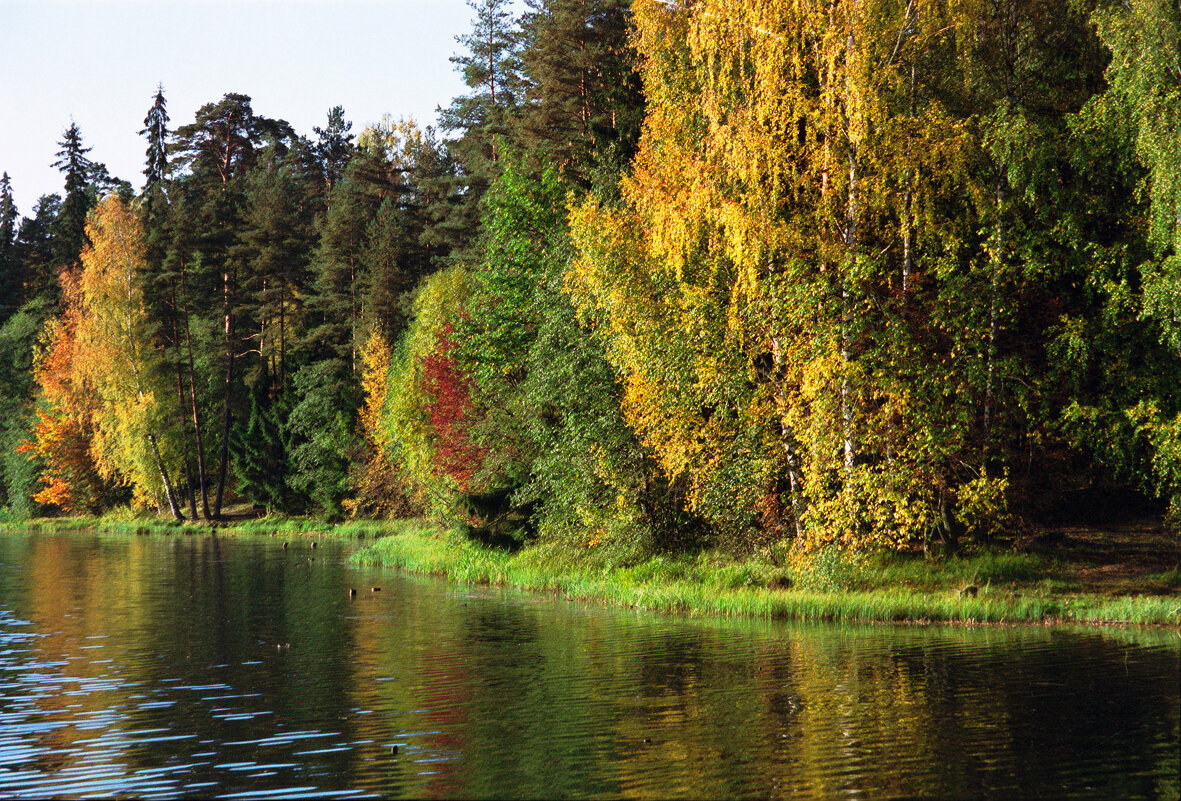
x=99, y=61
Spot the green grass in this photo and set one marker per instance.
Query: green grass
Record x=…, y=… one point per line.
x=123, y=522
x=1010, y=588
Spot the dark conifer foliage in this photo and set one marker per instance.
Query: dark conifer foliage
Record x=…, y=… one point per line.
x=35, y=251
x=69, y=226
x=156, y=157
x=582, y=100
x=11, y=277
x=260, y=453
x=334, y=146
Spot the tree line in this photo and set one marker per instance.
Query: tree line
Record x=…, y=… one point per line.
x=789, y=276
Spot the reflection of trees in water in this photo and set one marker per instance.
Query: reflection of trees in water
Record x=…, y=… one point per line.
x=971, y=713
x=529, y=695
x=186, y=611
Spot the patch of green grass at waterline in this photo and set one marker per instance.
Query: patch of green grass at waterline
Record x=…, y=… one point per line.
x=119, y=522
x=709, y=583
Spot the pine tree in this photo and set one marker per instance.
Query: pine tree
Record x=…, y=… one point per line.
x=480, y=120
x=275, y=242
x=334, y=147
x=582, y=100
x=214, y=155
x=224, y=139
x=491, y=68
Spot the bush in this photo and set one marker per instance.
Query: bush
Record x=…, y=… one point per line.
x=830, y=569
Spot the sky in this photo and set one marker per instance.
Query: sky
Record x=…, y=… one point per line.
x=98, y=62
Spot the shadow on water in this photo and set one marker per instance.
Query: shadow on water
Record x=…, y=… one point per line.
x=181, y=666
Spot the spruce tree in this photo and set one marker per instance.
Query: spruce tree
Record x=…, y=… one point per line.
x=260, y=453
x=11, y=280
x=156, y=168
x=35, y=251
x=69, y=228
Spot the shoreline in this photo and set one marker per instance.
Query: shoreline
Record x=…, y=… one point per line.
x=986, y=589
x=713, y=584
x=260, y=526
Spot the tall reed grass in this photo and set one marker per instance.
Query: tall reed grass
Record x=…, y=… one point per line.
x=1007, y=588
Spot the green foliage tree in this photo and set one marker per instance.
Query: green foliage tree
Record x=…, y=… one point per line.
x=18, y=474
x=1141, y=108
x=553, y=416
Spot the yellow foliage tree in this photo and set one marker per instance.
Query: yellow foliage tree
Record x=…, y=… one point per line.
x=379, y=489
x=765, y=282
x=115, y=355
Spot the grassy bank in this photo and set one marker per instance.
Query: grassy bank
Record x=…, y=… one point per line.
x=117, y=523
x=981, y=588
x=999, y=586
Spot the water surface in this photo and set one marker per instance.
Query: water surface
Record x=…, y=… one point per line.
x=200, y=666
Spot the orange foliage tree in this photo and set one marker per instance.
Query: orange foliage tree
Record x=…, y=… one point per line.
x=64, y=432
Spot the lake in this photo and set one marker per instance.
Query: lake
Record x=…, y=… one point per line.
x=173, y=666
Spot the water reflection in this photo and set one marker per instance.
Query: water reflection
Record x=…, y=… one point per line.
x=175, y=666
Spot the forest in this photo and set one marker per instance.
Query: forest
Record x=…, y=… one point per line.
x=826, y=274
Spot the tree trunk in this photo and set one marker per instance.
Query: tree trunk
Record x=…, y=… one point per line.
x=788, y=437
x=993, y=311
x=197, y=438
x=847, y=432
x=908, y=214
x=184, y=437
x=168, y=491
x=227, y=411
x=183, y=413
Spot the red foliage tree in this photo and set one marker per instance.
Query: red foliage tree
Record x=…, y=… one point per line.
x=452, y=413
